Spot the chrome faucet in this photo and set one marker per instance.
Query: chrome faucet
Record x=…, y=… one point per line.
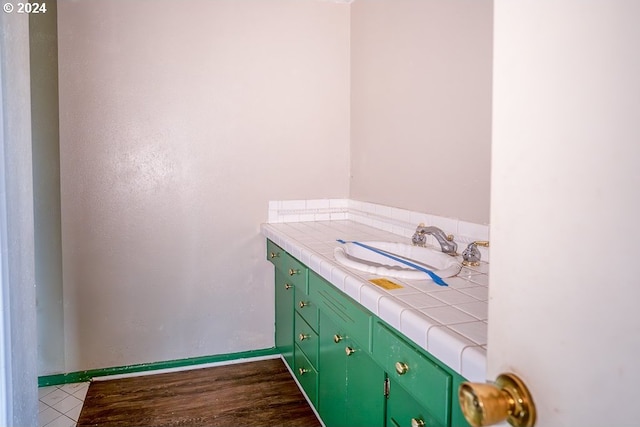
x=447, y=244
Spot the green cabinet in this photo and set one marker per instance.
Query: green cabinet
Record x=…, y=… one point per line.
x=355, y=369
x=350, y=383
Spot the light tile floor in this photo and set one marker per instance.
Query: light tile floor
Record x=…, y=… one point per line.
x=60, y=405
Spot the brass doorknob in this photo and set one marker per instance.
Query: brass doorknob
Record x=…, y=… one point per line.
x=507, y=399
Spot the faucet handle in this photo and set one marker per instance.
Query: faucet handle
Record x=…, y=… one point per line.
x=471, y=255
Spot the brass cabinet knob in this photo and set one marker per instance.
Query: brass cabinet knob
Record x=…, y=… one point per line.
x=349, y=351
x=303, y=304
x=337, y=338
x=275, y=255
x=287, y=286
x=302, y=371
x=507, y=399
x=417, y=422
x=402, y=368
x=293, y=271
x=303, y=337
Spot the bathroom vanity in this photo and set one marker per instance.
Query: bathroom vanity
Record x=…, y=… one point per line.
x=345, y=338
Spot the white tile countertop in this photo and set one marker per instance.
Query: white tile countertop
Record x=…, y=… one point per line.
x=450, y=322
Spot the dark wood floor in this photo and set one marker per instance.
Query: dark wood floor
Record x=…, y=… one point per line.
x=248, y=394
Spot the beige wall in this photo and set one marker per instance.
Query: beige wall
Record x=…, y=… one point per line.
x=421, y=105
x=179, y=120
x=46, y=188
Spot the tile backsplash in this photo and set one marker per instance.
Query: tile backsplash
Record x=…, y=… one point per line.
x=395, y=220
x=307, y=210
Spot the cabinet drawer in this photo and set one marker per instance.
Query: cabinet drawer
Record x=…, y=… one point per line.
x=408, y=367
x=306, y=374
x=347, y=314
x=307, y=339
x=307, y=309
x=294, y=270
x=275, y=254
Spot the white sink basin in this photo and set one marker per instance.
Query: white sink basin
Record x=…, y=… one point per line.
x=353, y=255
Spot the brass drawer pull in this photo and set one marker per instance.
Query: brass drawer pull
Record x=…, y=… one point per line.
x=293, y=271
x=402, y=368
x=287, y=286
x=303, y=304
x=337, y=338
x=417, y=422
x=349, y=351
x=303, y=337
x=302, y=371
x=275, y=255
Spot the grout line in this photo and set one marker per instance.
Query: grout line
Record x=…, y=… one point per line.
x=53, y=415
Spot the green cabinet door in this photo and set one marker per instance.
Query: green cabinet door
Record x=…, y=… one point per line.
x=284, y=316
x=365, y=388
x=332, y=394
x=409, y=367
x=405, y=411
x=350, y=383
